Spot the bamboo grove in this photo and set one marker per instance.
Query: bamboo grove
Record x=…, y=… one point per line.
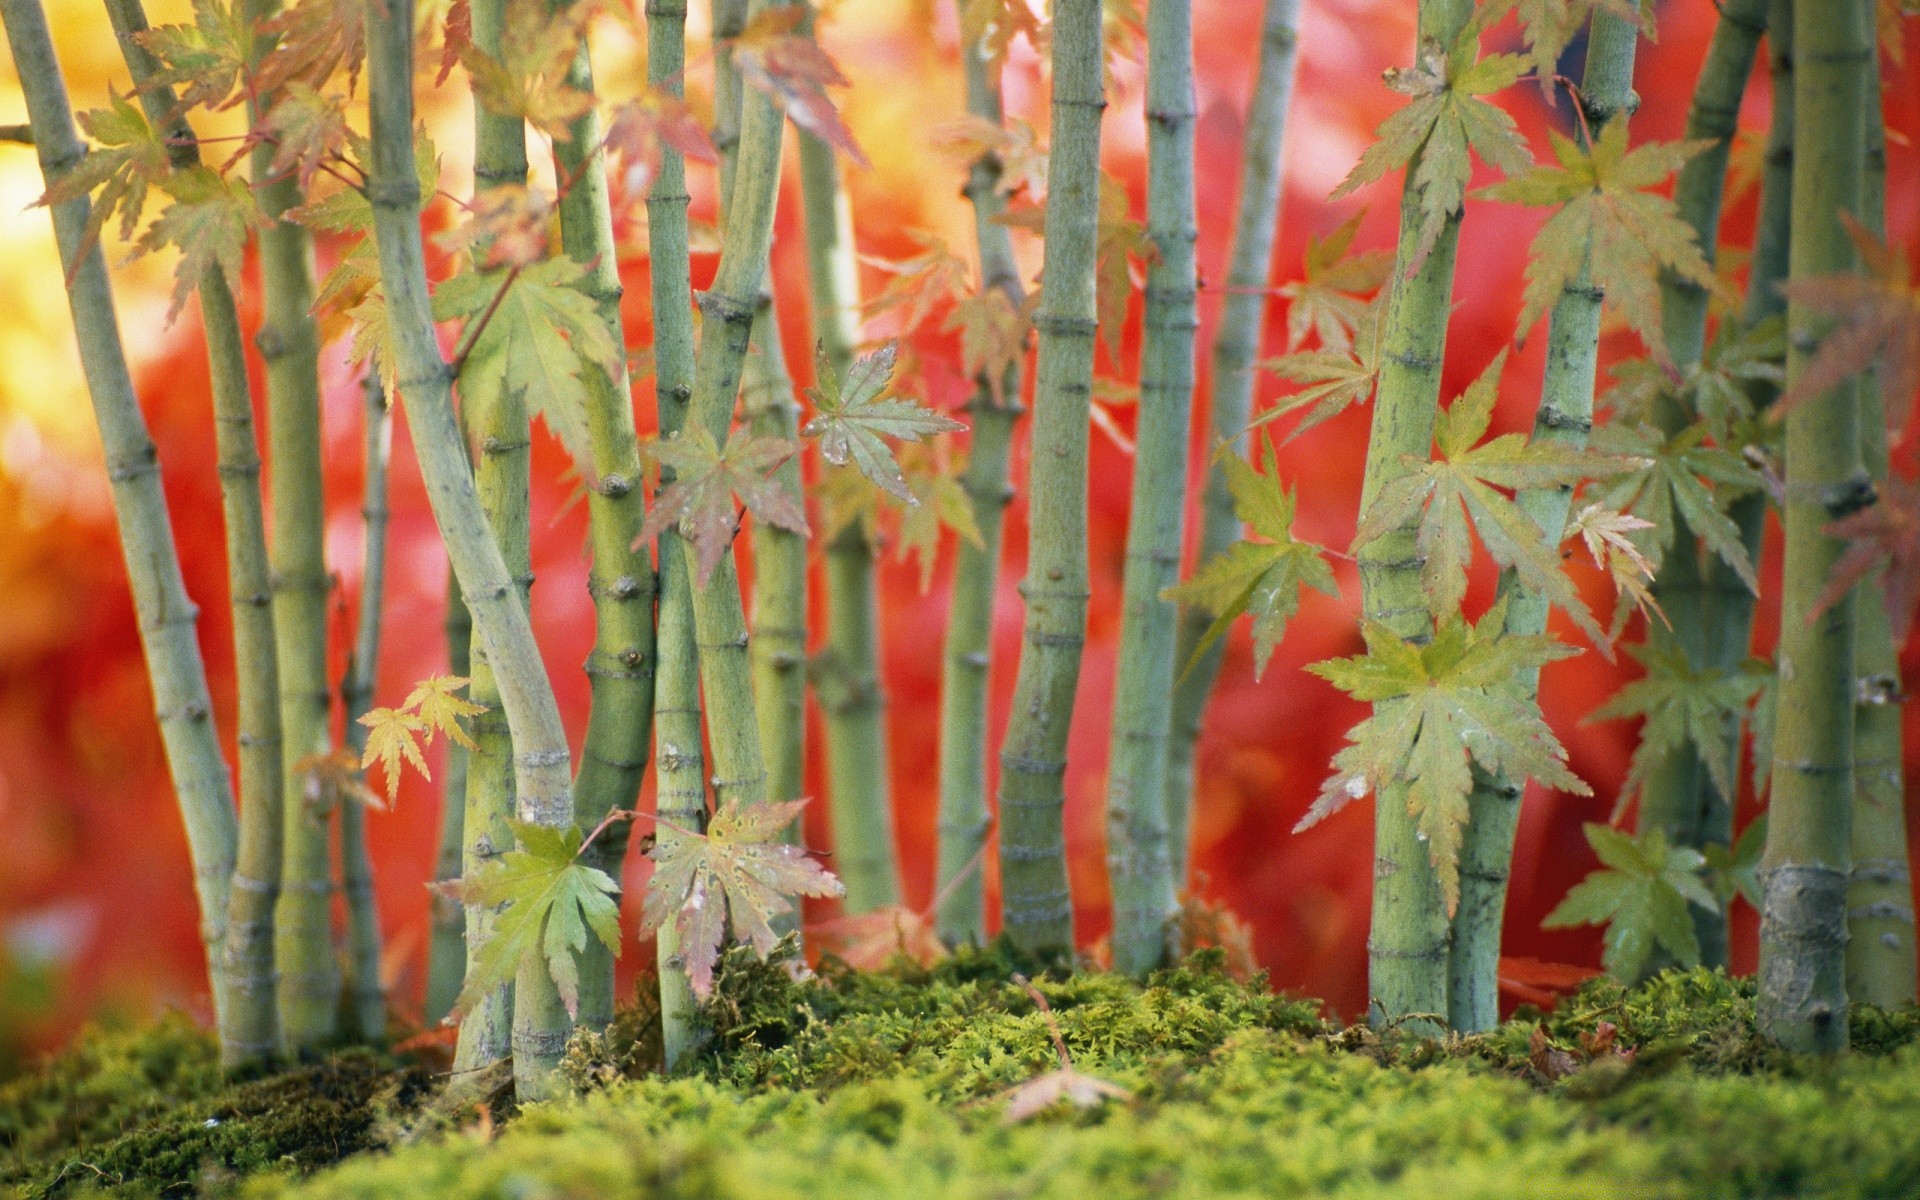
x=1770, y=379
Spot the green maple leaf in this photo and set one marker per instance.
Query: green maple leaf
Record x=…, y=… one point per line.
x=854, y=416
x=551, y=902
x=1439, y=709
x=529, y=78
x=1433, y=133
x=308, y=129
x=1683, y=707
x=208, y=221
x=543, y=334
x=1735, y=871
x=127, y=157
x=1458, y=491
x=1262, y=575
x=1333, y=297
x=1333, y=380
x=1681, y=476
x=1549, y=26
x=206, y=59
x=739, y=874
x=1719, y=389
x=1608, y=226
x=700, y=498
x=1641, y=895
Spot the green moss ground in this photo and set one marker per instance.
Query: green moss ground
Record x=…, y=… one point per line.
x=855, y=1085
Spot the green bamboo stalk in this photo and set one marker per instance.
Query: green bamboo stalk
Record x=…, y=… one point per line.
x=368, y=996
x=289, y=341
x=1880, y=950
x=1145, y=898
x=503, y=479
x=1407, y=947
x=1802, y=999
x=166, y=616
x=620, y=716
x=447, y=939
x=1036, y=901
x=961, y=916
x=1708, y=606
x=1564, y=416
x=680, y=772
x=848, y=677
x=1236, y=344
x=778, y=604
x=250, y=1031
x=542, y=775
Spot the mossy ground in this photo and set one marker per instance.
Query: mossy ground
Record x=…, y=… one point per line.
x=890, y=1084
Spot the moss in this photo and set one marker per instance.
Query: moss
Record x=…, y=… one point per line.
x=147, y=1112
x=860, y=1084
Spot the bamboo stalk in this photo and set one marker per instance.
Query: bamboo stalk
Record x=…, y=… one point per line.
x=1709, y=607
x=1564, y=416
x=1036, y=902
x=165, y=614
x=289, y=342
x=680, y=780
x=250, y=1030
x=368, y=995
x=542, y=777
x=620, y=718
x=968, y=655
x=1236, y=344
x=1407, y=945
x=447, y=937
x=503, y=479
x=1802, y=997
x=1145, y=899
x=1880, y=950
x=848, y=678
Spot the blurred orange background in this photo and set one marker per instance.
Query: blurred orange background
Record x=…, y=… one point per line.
x=96, y=905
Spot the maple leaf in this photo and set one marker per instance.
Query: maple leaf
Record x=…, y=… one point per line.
x=1433, y=132
x=1437, y=709
x=1064, y=1083
x=1884, y=534
x=1549, y=26
x=1609, y=540
x=529, y=78
x=791, y=67
x=939, y=499
x=1332, y=299
x=509, y=225
x=313, y=40
x=543, y=334
x=1211, y=925
x=434, y=702
x=1735, y=870
x=456, y=34
x=1877, y=315
x=871, y=941
x=853, y=416
x=206, y=59
x=1888, y=16
x=645, y=125
x=700, y=498
x=393, y=734
x=128, y=156
x=1122, y=247
x=548, y=902
x=1264, y=574
x=1641, y=895
x=1018, y=159
x=307, y=129
x=1608, y=225
x=1459, y=488
x=739, y=874
x=988, y=27
x=848, y=500
x=347, y=210
x=929, y=281
x=330, y=779
x=993, y=335
x=1683, y=707
x=208, y=221
x=1335, y=379
x=1682, y=477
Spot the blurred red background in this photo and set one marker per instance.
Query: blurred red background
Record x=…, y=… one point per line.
x=95, y=895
